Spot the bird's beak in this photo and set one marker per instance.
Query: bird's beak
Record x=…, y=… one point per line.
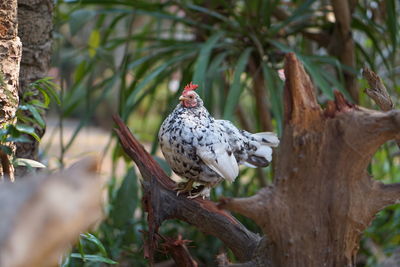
x=181, y=98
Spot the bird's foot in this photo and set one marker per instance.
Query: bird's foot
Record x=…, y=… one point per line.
x=204, y=193
x=184, y=187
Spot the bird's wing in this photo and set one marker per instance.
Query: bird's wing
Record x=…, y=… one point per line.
x=220, y=161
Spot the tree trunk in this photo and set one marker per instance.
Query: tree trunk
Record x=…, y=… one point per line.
x=10, y=55
x=342, y=44
x=322, y=199
x=35, y=27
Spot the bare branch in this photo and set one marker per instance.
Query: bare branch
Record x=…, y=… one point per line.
x=179, y=251
x=378, y=91
x=161, y=203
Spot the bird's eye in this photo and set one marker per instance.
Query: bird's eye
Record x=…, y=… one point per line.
x=191, y=97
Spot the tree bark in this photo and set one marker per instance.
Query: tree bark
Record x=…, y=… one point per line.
x=322, y=199
x=35, y=19
x=10, y=55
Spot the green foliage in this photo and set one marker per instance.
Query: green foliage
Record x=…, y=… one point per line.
x=129, y=57
x=30, y=103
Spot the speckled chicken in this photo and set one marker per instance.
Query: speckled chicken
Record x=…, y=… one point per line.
x=207, y=151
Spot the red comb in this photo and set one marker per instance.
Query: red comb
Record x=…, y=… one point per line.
x=191, y=86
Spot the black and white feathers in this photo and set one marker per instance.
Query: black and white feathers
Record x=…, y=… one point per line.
x=205, y=150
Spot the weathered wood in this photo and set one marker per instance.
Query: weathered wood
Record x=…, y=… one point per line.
x=43, y=215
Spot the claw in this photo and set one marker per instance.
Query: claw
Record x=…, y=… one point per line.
x=184, y=187
x=204, y=193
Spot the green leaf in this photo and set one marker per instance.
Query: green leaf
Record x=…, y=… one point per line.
x=359, y=25
x=51, y=89
x=126, y=200
x=19, y=139
x=130, y=100
x=93, y=258
x=392, y=22
x=275, y=87
x=94, y=42
x=236, y=87
x=80, y=72
x=36, y=115
x=200, y=69
x=319, y=79
x=209, y=12
x=23, y=128
x=108, y=85
x=79, y=18
x=96, y=241
x=302, y=13
x=29, y=163
x=80, y=249
x=6, y=149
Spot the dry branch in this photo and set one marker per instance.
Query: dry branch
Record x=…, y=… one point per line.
x=43, y=215
x=378, y=92
x=178, y=250
x=161, y=203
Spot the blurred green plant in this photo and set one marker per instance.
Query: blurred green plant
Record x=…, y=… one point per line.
x=132, y=58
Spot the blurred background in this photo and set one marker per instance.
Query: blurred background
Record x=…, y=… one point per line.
x=133, y=58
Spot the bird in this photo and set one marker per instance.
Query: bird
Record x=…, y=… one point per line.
x=204, y=150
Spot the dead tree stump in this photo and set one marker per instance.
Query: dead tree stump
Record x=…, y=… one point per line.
x=322, y=198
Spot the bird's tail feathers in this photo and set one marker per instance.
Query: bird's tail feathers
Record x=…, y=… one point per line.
x=263, y=155
x=267, y=138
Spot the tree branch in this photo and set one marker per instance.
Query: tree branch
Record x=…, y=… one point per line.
x=389, y=194
x=179, y=251
x=251, y=207
x=378, y=92
x=162, y=203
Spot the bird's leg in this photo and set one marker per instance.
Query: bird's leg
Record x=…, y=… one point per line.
x=184, y=187
x=204, y=192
